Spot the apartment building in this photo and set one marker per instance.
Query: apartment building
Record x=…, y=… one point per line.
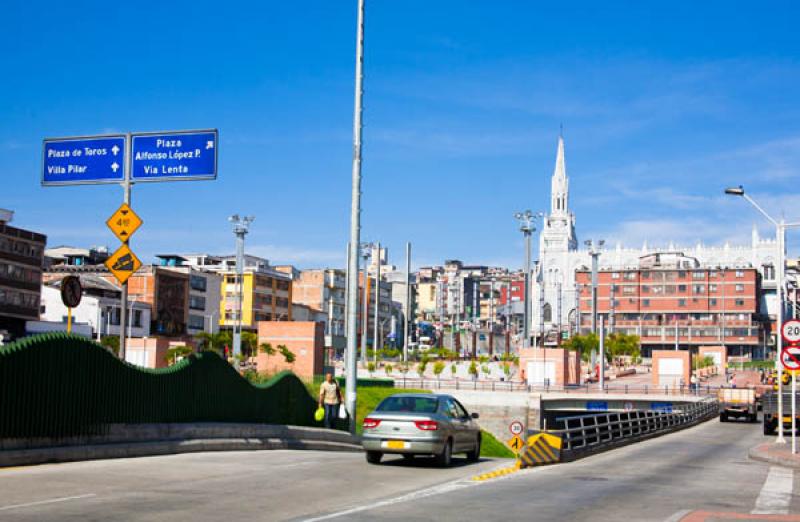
x=267, y=292
x=671, y=301
x=21, y=260
x=324, y=290
x=205, y=289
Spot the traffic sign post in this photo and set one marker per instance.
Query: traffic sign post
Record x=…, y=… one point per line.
x=790, y=360
x=126, y=159
x=71, y=294
x=516, y=444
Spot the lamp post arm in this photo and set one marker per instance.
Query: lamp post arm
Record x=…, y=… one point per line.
x=763, y=212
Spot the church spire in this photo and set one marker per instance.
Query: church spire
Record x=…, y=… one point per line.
x=560, y=184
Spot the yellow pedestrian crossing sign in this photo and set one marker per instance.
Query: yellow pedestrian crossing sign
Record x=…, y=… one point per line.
x=123, y=263
x=515, y=443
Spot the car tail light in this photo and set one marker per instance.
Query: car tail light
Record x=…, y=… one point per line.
x=427, y=425
x=371, y=423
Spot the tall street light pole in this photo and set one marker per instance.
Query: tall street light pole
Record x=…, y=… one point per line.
x=526, y=227
x=595, y=248
x=241, y=226
x=780, y=238
x=365, y=253
x=407, y=320
x=375, y=335
x=355, y=227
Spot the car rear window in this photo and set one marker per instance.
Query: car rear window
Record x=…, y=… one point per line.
x=409, y=404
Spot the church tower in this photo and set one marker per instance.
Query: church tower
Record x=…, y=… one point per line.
x=558, y=234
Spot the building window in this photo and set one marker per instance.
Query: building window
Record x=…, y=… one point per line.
x=645, y=289
x=628, y=290
x=197, y=303
x=740, y=273
x=645, y=275
x=198, y=283
x=614, y=275
x=712, y=273
x=681, y=302
x=630, y=276
x=740, y=288
x=197, y=322
x=681, y=274
x=712, y=302
x=698, y=289
x=698, y=275
x=681, y=288
x=769, y=272
x=740, y=302
x=645, y=302
x=712, y=289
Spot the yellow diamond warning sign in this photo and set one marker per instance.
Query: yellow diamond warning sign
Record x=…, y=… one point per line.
x=515, y=443
x=123, y=263
x=124, y=222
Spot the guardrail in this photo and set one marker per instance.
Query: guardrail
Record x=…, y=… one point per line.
x=586, y=434
x=509, y=386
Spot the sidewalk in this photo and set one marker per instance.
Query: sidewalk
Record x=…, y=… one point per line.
x=779, y=454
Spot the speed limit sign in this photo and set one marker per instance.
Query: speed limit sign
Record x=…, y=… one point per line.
x=791, y=331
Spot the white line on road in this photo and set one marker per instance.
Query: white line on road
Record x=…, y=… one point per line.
x=678, y=515
x=49, y=501
x=776, y=494
x=427, y=492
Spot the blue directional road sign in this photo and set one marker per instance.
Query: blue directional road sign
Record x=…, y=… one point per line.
x=170, y=156
x=84, y=160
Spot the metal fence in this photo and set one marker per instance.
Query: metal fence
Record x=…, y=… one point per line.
x=589, y=433
x=508, y=386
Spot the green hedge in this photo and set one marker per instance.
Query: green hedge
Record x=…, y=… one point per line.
x=57, y=385
x=376, y=383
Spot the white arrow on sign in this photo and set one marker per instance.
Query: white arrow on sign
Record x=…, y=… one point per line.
x=114, y=166
x=115, y=149
x=209, y=144
x=791, y=331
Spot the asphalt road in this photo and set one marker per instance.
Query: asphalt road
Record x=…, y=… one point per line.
x=665, y=479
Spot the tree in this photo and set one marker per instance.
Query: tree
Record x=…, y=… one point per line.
x=214, y=342
x=387, y=369
x=473, y=369
x=422, y=365
x=453, y=369
x=176, y=353
x=438, y=368
x=583, y=344
x=371, y=368
x=485, y=369
x=111, y=342
x=622, y=345
x=287, y=354
x=249, y=344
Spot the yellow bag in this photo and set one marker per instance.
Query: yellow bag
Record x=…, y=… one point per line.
x=319, y=414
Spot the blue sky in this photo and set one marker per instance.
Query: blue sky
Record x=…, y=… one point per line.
x=662, y=107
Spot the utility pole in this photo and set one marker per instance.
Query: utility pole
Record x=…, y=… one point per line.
x=558, y=314
x=355, y=227
x=375, y=337
x=241, y=226
x=594, y=251
x=602, y=363
x=126, y=198
x=365, y=249
x=408, y=322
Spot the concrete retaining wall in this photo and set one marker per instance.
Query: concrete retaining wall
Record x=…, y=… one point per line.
x=136, y=440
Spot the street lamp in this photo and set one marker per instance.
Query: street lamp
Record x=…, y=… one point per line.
x=241, y=226
x=780, y=238
x=525, y=219
x=366, y=252
x=595, y=249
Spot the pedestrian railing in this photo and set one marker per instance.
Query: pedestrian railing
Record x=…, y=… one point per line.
x=590, y=388
x=590, y=433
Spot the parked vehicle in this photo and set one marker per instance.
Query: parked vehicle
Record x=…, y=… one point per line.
x=421, y=424
x=737, y=402
x=769, y=405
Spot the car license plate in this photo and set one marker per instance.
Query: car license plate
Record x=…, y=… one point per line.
x=395, y=444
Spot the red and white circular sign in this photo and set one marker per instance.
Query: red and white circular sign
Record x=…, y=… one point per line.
x=790, y=357
x=516, y=428
x=791, y=331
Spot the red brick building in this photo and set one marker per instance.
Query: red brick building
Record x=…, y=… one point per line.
x=669, y=299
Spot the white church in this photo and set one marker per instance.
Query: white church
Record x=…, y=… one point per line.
x=553, y=296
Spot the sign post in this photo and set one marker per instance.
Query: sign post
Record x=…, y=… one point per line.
x=790, y=358
x=71, y=293
x=126, y=159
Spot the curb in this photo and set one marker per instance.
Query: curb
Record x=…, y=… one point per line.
x=139, y=441
x=764, y=456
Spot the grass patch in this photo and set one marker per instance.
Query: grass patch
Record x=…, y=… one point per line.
x=491, y=447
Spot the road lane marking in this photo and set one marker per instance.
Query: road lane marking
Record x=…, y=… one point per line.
x=776, y=494
x=447, y=487
x=49, y=501
x=678, y=515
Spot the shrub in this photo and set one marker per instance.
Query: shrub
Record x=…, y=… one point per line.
x=438, y=368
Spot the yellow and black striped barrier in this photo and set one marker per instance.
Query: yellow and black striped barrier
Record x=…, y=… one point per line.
x=542, y=448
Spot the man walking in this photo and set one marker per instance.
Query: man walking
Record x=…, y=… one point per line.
x=330, y=396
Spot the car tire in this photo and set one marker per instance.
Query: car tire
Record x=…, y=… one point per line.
x=475, y=455
x=444, y=458
x=723, y=417
x=374, y=457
